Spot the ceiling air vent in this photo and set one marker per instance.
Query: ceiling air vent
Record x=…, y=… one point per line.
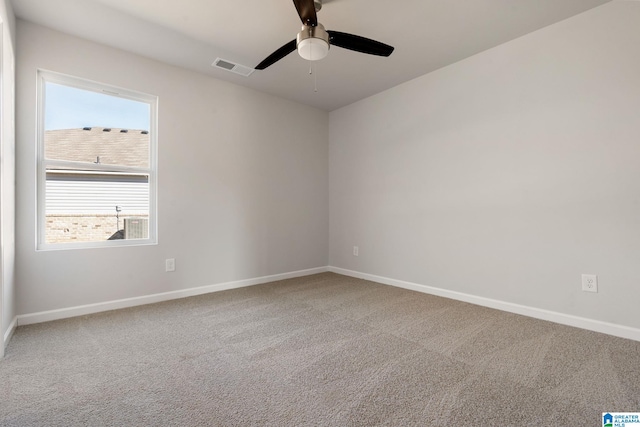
x=234, y=68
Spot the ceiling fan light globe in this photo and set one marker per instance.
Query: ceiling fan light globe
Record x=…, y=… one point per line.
x=313, y=49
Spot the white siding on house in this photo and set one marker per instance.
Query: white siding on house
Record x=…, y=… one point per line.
x=97, y=194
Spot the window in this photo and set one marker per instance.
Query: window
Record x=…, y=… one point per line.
x=96, y=164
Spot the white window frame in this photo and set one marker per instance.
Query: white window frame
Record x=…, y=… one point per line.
x=42, y=163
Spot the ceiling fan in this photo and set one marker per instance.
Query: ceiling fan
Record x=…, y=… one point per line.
x=313, y=40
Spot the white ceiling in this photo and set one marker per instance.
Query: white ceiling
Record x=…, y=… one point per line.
x=427, y=35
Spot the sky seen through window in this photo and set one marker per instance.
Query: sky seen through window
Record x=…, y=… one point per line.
x=71, y=108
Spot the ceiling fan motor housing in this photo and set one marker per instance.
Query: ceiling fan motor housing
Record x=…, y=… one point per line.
x=313, y=42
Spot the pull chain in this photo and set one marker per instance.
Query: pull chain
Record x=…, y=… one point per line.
x=315, y=78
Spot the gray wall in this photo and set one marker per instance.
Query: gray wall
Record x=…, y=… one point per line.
x=243, y=185
x=506, y=175
x=7, y=176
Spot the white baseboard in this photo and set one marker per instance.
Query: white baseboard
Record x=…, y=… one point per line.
x=46, y=316
x=561, y=318
x=552, y=316
x=10, y=331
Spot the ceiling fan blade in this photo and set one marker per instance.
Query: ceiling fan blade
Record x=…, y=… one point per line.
x=277, y=55
x=359, y=44
x=307, y=12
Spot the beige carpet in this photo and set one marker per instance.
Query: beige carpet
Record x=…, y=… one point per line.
x=323, y=350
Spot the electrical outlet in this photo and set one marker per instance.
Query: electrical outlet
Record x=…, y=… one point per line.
x=590, y=283
x=356, y=250
x=170, y=264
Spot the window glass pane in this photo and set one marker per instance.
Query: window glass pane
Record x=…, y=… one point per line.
x=97, y=172
x=89, y=207
x=92, y=127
